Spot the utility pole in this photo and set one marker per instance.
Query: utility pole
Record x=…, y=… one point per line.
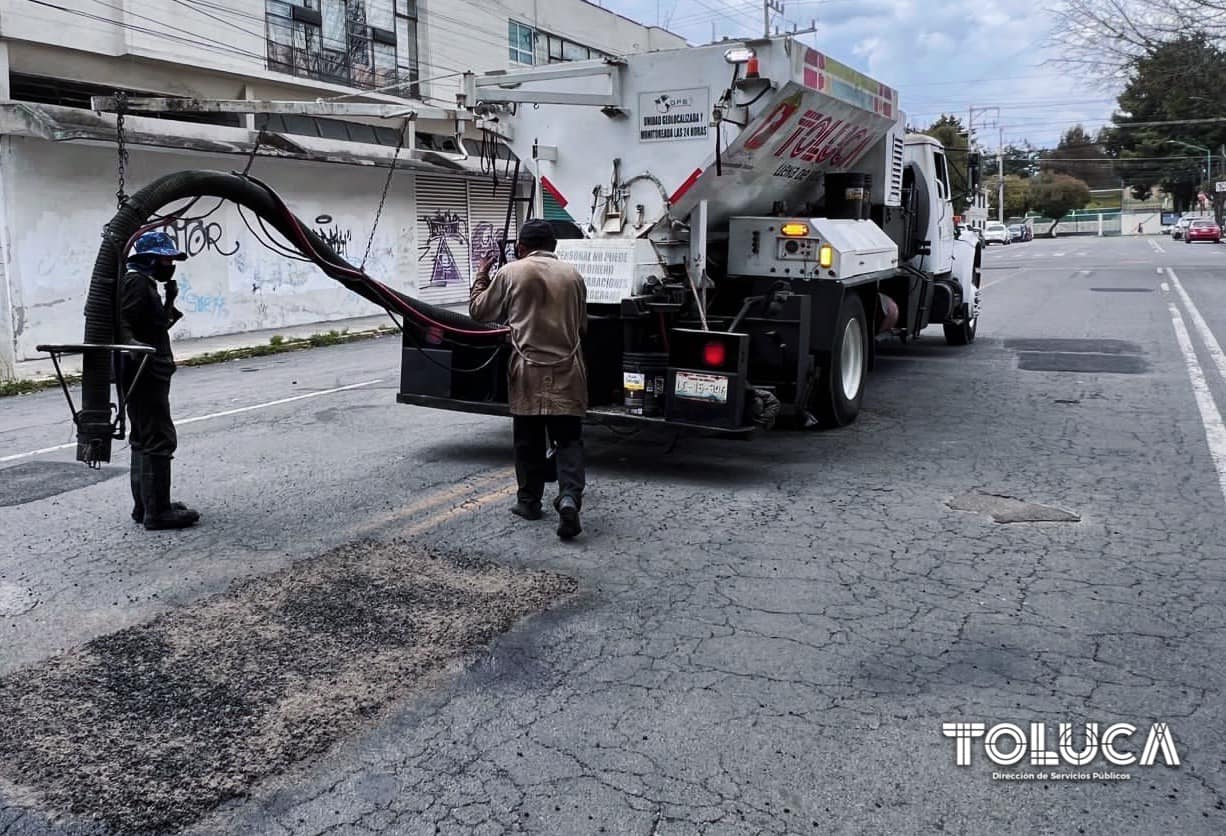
x=1000, y=152
x=1000, y=173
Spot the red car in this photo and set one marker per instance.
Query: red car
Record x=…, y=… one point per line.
x=1203, y=231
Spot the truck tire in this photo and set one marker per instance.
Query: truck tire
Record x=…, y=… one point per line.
x=963, y=333
x=840, y=389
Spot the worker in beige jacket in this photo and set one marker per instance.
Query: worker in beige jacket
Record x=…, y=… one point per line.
x=544, y=303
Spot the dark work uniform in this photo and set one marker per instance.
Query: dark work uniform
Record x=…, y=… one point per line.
x=146, y=318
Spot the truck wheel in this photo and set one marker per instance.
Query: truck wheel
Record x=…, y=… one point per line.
x=961, y=333
x=837, y=395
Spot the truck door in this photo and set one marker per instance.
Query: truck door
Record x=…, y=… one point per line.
x=943, y=237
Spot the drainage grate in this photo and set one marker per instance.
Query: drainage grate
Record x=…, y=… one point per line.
x=1122, y=289
x=154, y=726
x=32, y=481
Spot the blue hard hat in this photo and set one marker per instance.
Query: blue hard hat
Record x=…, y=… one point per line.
x=158, y=243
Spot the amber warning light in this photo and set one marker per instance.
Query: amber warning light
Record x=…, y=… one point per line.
x=795, y=230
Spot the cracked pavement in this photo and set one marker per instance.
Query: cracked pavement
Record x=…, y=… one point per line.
x=768, y=635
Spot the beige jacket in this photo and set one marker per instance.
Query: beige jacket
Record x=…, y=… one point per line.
x=544, y=302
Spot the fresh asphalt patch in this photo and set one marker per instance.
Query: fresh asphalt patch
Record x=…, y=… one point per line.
x=149, y=728
x=32, y=481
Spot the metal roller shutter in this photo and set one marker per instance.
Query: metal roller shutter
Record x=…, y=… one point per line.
x=459, y=220
x=488, y=211
x=443, y=269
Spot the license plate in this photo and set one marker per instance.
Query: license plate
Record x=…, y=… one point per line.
x=701, y=387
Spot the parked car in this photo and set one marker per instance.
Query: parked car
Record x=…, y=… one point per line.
x=1203, y=230
x=1015, y=233
x=970, y=232
x=1179, y=228
x=996, y=233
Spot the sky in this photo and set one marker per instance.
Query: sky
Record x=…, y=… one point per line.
x=944, y=56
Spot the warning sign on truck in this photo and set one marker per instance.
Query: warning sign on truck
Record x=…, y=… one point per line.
x=667, y=115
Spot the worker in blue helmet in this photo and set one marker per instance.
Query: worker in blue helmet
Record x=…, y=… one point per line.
x=146, y=317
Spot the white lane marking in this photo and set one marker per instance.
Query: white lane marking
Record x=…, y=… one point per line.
x=1058, y=255
x=1012, y=275
x=1211, y=419
x=222, y=414
x=1159, y=269
x=1166, y=288
x=1202, y=327
x=1157, y=247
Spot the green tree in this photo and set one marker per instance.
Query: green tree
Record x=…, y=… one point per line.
x=1082, y=156
x=1055, y=195
x=1017, y=195
x=951, y=133
x=1020, y=160
x=1175, y=82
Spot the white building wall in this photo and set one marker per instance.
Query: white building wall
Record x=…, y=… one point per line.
x=57, y=196
x=232, y=283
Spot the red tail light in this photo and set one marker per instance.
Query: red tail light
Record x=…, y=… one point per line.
x=714, y=354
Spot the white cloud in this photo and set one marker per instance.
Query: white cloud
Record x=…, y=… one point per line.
x=942, y=55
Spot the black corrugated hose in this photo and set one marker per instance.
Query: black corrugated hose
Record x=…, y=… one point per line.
x=94, y=423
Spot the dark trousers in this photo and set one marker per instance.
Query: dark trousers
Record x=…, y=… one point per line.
x=152, y=430
x=532, y=436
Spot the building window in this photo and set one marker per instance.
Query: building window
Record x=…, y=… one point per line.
x=549, y=49
x=355, y=43
x=522, y=42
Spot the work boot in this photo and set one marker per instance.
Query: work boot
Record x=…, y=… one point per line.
x=138, y=503
x=160, y=513
x=568, y=517
x=527, y=509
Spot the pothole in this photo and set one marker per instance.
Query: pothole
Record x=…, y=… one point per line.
x=1007, y=509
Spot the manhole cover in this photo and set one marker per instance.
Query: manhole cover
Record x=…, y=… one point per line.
x=1007, y=509
x=150, y=728
x=31, y=481
x=1037, y=361
x=1122, y=289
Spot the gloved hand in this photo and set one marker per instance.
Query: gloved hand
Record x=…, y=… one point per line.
x=172, y=293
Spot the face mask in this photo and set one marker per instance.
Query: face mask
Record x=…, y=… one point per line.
x=163, y=272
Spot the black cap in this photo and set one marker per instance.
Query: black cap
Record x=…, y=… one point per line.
x=537, y=234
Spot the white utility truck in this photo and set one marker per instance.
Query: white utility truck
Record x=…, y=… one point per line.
x=753, y=216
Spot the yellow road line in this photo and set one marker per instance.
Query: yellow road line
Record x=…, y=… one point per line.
x=433, y=500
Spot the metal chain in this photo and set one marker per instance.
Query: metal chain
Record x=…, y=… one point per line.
x=121, y=103
x=404, y=129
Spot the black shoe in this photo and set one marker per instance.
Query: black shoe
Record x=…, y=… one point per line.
x=527, y=510
x=568, y=518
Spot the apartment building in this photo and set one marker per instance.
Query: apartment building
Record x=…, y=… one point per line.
x=60, y=162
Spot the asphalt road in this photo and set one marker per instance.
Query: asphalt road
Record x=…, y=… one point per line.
x=750, y=637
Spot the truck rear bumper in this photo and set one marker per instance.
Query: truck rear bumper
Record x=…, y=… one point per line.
x=602, y=414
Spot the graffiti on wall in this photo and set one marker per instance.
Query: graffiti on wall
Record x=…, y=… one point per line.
x=195, y=237
x=444, y=229
x=191, y=302
x=335, y=237
x=487, y=241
